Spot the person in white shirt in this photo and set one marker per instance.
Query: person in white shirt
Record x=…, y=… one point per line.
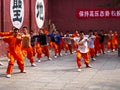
x=68, y=43
x=91, y=45
x=82, y=51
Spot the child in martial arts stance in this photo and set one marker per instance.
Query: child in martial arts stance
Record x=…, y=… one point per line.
x=2, y=34
x=68, y=43
x=14, y=44
x=83, y=51
x=43, y=47
x=91, y=45
x=26, y=46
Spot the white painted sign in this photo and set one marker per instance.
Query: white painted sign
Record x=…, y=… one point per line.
x=17, y=12
x=39, y=13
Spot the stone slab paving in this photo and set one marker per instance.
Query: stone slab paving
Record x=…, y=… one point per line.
x=62, y=74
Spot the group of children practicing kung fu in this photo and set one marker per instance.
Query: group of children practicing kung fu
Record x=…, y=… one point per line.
x=29, y=44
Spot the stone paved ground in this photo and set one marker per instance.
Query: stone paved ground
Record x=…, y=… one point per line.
x=62, y=74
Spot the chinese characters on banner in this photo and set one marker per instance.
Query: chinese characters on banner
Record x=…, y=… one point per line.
x=98, y=13
x=39, y=13
x=17, y=6
x=17, y=12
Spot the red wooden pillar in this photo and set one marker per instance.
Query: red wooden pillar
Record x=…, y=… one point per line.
x=30, y=15
x=1, y=15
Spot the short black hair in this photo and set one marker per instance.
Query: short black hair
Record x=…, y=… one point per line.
x=16, y=29
x=81, y=31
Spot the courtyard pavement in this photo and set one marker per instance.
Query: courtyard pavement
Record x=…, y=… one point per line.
x=62, y=74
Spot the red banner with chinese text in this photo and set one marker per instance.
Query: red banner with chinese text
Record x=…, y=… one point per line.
x=98, y=13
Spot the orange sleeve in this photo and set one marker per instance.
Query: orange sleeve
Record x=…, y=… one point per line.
x=46, y=31
x=73, y=35
x=6, y=39
x=5, y=33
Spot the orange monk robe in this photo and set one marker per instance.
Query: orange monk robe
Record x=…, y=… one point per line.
x=14, y=45
x=115, y=40
x=75, y=46
x=97, y=44
x=6, y=34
